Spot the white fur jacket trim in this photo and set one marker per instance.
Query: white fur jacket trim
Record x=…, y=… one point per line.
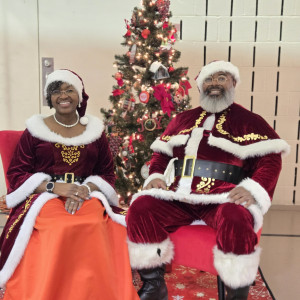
x=105, y=188
x=237, y=270
x=260, y=148
x=167, y=147
x=146, y=256
x=166, y=195
x=39, y=129
x=25, y=189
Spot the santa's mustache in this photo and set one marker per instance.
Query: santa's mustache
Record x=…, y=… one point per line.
x=215, y=87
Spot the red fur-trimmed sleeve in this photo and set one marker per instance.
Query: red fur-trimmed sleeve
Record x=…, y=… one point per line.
x=262, y=182
x=22, y=177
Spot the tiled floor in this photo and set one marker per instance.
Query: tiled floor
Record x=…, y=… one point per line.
x=280, y=261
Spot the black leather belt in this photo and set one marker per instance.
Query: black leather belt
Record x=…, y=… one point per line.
x=68, y=178
x=190, y=167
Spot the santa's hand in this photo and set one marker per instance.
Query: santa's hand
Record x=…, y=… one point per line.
x=240, y=195
x=156, y=184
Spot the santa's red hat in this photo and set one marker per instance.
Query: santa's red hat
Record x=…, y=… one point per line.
x=217, y=66
x=75, y=80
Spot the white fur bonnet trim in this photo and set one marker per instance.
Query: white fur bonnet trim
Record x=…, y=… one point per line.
x=217, y=66
x=65, y=76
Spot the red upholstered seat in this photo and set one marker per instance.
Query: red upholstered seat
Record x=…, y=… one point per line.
x=194, y=248
x=8, y=142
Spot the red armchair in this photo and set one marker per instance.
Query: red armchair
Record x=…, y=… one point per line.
x=8, y=142
x=194, y=248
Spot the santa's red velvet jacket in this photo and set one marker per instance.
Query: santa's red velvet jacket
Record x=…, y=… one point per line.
x=234, y=136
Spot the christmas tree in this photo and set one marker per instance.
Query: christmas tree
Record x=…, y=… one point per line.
x=149, y=92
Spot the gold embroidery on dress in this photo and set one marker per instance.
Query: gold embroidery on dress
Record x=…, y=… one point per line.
x=204, y=186
x=197, y=123
x=245, y=137
x=26, y=207
x=70, y=154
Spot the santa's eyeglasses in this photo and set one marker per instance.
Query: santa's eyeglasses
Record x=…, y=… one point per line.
x=220, y=79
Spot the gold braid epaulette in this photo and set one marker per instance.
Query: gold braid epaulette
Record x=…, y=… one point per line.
x=197, y=123
x=245, y=137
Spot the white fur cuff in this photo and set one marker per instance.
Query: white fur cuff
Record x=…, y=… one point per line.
x=236, y=270
x=154, y=176
x=26, y=189
x=105, y=188
x=258, y=192
x=146, y=256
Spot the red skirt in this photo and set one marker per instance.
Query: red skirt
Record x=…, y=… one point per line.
x=74, y=257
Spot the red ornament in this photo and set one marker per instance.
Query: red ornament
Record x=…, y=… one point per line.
x=118, y=77
x=171, y=69
x=145, y=33
x=144, y=97
x=165, y=25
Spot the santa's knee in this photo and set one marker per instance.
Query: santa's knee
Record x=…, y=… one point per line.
x=235, y=233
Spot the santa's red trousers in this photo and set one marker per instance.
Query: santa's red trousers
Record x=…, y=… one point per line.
x=150, y=220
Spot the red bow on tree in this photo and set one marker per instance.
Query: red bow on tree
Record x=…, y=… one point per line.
x=164, y=97
x=186, y=86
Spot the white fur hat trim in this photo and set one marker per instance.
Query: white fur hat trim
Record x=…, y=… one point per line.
x=65, y=76
x=217, y=66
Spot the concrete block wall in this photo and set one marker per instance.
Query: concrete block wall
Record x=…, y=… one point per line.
x=262, y=38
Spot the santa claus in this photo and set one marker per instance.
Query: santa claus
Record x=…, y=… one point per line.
x=219, y=163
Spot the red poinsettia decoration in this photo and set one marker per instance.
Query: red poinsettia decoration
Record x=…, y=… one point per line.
x=165, y=98
x=117, y=92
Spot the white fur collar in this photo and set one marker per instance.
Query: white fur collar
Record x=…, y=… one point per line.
x=39, y=129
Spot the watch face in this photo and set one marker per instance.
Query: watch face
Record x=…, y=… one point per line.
x=50, y=187
x=145, y=171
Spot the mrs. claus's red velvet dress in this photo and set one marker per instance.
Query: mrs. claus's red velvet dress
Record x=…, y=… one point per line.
x=47, y=253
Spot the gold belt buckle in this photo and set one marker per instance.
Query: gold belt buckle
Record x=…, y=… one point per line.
x=67, y=178
x=186, y=163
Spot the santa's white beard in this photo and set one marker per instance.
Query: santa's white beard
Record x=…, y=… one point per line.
x=217, y=104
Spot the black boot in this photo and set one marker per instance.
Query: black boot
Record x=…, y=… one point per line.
x=237, y=294
x=154, y=286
